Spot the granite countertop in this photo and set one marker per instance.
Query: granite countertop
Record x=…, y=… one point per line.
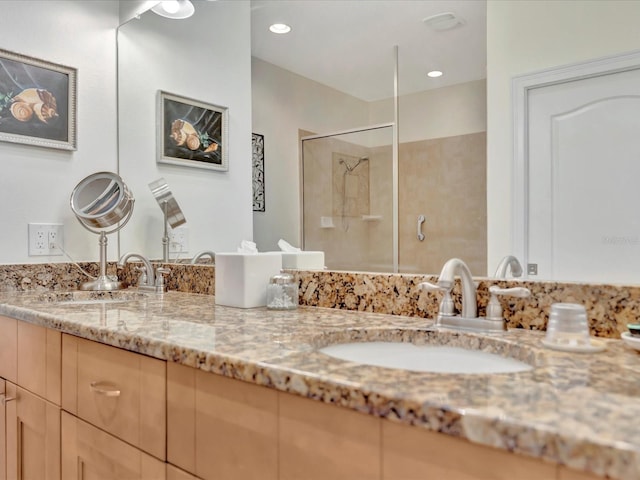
x=580, y=410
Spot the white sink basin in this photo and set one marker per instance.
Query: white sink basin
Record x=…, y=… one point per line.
x=424, y=358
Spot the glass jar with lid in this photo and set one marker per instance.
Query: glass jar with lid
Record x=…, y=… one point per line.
x=282, y=292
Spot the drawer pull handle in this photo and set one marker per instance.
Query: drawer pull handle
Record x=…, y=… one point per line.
x=4, y=399
x=107, y=389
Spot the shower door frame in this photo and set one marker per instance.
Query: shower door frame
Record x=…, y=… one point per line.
x=394, y=179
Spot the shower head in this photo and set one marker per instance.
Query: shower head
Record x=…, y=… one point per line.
x=351, y=168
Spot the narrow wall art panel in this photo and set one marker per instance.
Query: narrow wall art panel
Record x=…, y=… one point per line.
x=257, y=148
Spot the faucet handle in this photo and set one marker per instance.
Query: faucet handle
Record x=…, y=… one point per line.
x=160, y=273
x=446, y=305
x=142, y=278
x=494, y=309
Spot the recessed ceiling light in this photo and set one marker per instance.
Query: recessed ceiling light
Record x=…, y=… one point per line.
x=434, y=74
x=280, y=28
x=443, y=21
x=176, y=9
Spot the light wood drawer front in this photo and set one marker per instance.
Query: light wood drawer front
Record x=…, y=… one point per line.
x=320, y=441
x=236, y=429
x=219, y=428
x=89, y=453
x=32, y=436
x=413, y=453
x=39, y=360
x=568, y=474
x=3, y=431
x=9, y=349
x=118, y=391
x=174, y=473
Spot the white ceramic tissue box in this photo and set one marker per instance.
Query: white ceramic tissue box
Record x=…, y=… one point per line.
x=242, y=278
x=303, y=260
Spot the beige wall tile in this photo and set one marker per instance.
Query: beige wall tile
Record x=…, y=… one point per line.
x=444, y=180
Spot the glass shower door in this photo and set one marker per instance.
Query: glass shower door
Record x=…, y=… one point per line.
x=347, y=198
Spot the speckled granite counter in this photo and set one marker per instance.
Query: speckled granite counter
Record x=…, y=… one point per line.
x=577, y=410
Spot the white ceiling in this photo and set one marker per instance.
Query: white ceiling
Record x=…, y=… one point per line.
x=348, y=44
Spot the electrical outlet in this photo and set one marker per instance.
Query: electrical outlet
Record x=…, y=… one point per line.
x=179, y=240
x=45, y=239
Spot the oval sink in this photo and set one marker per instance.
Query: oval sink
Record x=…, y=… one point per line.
x=424, y=358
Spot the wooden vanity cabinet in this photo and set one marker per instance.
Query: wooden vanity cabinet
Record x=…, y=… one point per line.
x=120, y=392
x=3, y=430
x=33, y=436
x=9, y=349
x=90, y=453
x=220, y=428
x=30, y=359
x=125, y=414
x=174, y=473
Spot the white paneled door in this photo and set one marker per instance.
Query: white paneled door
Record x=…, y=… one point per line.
x=584, y=179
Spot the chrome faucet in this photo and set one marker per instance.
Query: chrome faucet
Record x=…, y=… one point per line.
x=505, y=263
x=204, y=253
x=147, y=279
x=447, y=280
x=468, y=320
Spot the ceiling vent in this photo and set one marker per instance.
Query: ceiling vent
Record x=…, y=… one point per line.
x=443, y=21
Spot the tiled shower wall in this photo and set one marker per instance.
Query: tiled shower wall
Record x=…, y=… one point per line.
x=357, y=237
x=443, y=179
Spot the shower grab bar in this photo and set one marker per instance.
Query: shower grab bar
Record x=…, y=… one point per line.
x=421, y=220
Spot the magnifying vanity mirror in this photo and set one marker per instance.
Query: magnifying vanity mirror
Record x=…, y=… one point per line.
x=100, y=201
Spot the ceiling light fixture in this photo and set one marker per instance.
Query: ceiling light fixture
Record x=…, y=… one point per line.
x=280, y=28
x=443, y=21
x=434, y=74
x=175, y=9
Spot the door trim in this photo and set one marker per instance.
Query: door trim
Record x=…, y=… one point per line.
x=521, y=85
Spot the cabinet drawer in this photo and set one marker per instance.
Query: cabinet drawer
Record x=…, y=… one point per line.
x=220, y=428
x=30, y=356
x=3, y=431
x=39, y=360
x=9, y=349
x=121, y=392
x=32, y=436
x=88, y=452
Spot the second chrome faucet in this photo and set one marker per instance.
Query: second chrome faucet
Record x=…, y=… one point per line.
x=149, y=279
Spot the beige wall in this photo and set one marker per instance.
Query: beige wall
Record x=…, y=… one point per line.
x=438, y=113
x=359, y=237
x=36, y=182
x=144, y=46
x=526, y=36
x=283, y=103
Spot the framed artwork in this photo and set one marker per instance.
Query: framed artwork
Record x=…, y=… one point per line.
x=192, y=133
x=37, y=102
x=257, y=162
